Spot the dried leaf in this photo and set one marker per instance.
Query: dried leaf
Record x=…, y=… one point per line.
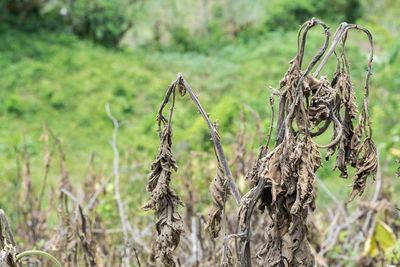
x=164, y=201
x=366, y=165
x=219, y=191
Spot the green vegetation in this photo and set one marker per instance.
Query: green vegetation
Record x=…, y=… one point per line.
x=67, y=82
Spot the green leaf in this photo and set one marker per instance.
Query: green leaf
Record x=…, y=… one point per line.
x=383, y=235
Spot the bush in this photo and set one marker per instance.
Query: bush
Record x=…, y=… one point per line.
x=101, y=21
x=287, y=14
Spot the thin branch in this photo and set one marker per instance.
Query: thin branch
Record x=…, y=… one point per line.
x=116, y=176
x=137, y=257
x=70, y=195
x=332, y=196
x=96, y=194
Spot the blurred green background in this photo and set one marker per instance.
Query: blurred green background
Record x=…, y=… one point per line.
x=63, y=60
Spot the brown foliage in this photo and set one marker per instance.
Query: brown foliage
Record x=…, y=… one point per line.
x=282, y=180
x=164, y=200
x=218, y=192
x=287, y=188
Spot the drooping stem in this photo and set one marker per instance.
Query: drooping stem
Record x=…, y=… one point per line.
x=213, y=131
x=215, y=138
x=283, y=121
x=338, y=37
x=313, y=22
x=336, y=40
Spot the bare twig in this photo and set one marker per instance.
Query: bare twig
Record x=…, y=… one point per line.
x=113, y=143
x=137, y=257
x=98, y=191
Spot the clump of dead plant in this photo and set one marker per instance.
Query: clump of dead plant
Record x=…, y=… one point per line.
x=80, y=237
x=282, y=180
x=286, y=176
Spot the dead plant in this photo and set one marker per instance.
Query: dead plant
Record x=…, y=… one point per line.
x=282, y=180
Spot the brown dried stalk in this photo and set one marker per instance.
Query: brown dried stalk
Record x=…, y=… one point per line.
x=27, y=192
x=65, y=242
x=163, y=198
x=91, y=251
x=214, y=136
x=217, y=190
x=46, y=160
x=34, y=224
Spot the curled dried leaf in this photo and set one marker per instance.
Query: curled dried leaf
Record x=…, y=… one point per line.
x=252, y=176
x=181, y=89
x=366, y=165
x=318, y=110
x=164, y=201
x=219, y=191
x=244, y=207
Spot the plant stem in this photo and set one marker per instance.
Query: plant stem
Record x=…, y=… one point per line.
x=38, y=253
x=215, y=139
